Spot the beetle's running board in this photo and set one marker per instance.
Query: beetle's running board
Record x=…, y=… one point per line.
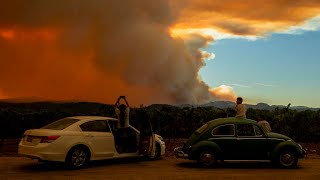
x=246, y=160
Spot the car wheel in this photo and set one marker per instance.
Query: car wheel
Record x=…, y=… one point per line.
x=78, y=157
x=287, y=159
x=207, y=158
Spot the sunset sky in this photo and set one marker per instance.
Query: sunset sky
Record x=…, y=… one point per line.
x=278, y=69
x=163, y=51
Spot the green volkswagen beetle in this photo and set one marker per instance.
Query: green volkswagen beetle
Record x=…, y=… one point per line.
x=239, y=139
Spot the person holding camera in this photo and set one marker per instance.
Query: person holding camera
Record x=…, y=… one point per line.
x=122, y=112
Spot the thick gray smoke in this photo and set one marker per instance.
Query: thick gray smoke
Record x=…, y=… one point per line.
x=99, y=49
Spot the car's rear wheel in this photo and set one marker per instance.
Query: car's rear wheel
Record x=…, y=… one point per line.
x=207, y=158
x=287, y=159
x=78, y=157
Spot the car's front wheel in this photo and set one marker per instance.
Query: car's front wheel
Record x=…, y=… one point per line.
x=77, y=157
x=287, y=159
x=207, y=158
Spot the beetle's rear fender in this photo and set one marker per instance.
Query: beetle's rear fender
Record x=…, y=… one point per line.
x=195, y=150
x=287, y=145
x=191, y=140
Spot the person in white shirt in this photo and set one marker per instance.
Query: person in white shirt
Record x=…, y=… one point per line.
x=264, y=124
x=122, y=112
x=240, y=108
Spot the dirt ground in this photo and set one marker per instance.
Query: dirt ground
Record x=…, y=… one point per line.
x=14, y=167
x=166, y=168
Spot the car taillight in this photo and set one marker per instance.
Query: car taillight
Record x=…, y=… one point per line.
x=48, y=139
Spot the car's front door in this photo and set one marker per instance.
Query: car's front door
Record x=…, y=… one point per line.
x=251, y=142
x=98, y=135
x=224, y=137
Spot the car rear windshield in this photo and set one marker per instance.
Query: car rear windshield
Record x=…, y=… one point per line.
x=201, y=129
x=60, y=124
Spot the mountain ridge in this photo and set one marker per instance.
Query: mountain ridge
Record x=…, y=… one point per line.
x=261, y=106
x=216, y=104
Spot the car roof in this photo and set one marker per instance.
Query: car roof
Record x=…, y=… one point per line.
x=82, y=118
x=230, y=120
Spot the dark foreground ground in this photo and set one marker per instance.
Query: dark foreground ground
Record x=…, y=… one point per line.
x=15, y=167
x=166, y=168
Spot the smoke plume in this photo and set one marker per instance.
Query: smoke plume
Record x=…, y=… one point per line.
x=99, y=49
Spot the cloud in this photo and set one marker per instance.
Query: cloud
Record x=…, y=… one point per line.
x=265, y=85
x=309, y=25
x=240, y=85
x=250, y=86
x=150, y=51
x=224, y=92
x=246, y=17
x=97, y=50
x=208, y=32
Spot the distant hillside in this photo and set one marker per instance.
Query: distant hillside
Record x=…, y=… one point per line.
x=167, y=120
x=261, y=106
x=24, y=100
x=216, y=104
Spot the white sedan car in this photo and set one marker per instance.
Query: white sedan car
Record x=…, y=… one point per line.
x=78, y=140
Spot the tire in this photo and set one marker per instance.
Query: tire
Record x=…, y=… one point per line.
x=78, y=157
x=207, y=158
x=287, y=159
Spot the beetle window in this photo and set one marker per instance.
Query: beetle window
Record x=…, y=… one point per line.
x=95, y=126
x=223, y=130
x=245, y=130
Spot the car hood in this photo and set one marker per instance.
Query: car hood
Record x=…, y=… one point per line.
x=278, y=136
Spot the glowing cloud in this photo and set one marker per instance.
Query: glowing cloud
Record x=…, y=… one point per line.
x=150, y=51
x=224, y=92
x=243, y=18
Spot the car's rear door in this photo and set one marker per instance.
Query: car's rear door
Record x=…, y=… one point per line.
x=252, y=144
x=98, y=135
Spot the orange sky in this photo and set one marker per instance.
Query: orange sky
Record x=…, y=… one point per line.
x=245, y=17
x=98, y=50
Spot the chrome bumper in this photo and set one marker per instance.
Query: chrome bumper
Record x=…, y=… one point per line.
x=179, y=153
x=304, y=151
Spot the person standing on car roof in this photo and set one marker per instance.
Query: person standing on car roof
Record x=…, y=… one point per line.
x=122, y=112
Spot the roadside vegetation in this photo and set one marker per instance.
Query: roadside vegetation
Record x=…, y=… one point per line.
x=169, y=121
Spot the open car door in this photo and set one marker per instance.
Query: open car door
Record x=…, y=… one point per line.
x=147, y=138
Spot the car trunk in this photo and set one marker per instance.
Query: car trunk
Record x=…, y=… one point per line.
x=33, y=137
